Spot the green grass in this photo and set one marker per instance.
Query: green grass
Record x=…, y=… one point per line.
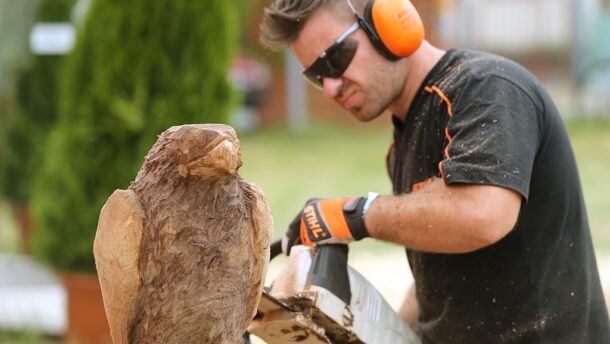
x=323, y=161
x=591, y=143
x=26, y=337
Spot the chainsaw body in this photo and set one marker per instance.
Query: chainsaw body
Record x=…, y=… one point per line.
x=317, y=298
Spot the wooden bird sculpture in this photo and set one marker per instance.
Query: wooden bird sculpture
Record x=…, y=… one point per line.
x=181, y=254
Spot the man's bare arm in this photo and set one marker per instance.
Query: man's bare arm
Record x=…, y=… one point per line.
x=445, y=218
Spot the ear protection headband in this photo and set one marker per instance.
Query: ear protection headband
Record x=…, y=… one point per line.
x=393, y=27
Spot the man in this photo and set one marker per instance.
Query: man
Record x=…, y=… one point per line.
x=487, y=199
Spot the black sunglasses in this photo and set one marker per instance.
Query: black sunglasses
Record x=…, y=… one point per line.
x=333, y=61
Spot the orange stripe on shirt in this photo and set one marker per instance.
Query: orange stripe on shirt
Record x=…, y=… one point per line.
x=421, y=185
x=434, y=89
x=440, y=93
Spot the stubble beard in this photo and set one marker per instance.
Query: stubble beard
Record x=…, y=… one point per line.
x=379, y=101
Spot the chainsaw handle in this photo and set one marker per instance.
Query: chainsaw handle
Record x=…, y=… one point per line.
x=329, y=268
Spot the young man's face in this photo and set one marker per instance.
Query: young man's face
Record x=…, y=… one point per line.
x=368, y=85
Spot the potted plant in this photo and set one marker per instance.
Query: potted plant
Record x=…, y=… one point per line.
x=138, y=67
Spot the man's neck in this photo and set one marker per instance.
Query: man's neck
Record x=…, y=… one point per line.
x=418, y=66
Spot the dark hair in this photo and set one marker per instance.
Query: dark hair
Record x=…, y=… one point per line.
x=284, y=19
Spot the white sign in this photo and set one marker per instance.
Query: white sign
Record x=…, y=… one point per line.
x=52, y=38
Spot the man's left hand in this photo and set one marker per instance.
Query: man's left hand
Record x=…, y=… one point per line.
x=328, y=221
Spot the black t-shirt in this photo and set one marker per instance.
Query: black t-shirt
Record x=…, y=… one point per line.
x=482, y=119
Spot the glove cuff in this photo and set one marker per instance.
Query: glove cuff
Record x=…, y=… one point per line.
x=354, y=211
x=369, y=199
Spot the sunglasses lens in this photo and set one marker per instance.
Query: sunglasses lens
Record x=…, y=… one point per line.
x=313, y=77
x=341, y=57
x=334, y=63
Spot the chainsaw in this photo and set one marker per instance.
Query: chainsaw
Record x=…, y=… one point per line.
x=317, y=298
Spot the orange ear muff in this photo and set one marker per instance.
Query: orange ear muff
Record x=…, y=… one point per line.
x=396, y=26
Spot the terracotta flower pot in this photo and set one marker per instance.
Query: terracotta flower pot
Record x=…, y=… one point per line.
x=87, y=322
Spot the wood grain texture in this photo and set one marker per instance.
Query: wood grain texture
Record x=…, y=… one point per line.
x=203, y=249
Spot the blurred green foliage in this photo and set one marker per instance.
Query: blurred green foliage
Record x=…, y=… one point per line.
x=138, y=67
x=36, y=112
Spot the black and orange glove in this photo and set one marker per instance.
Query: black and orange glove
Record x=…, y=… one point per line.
x=328, y=221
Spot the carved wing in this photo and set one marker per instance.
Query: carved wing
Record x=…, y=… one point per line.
x=116, y=250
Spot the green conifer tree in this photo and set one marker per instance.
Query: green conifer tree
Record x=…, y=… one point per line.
x=138, y=68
